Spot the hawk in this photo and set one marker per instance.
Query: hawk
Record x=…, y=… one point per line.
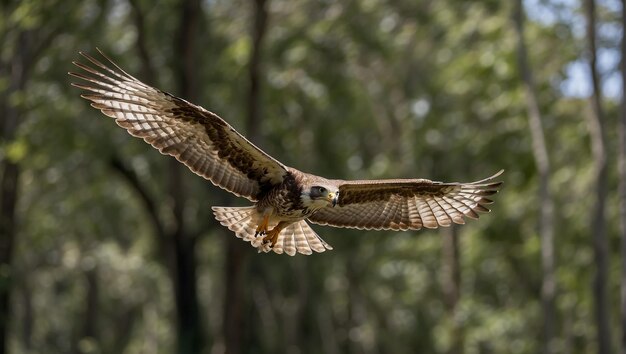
x=284, y=198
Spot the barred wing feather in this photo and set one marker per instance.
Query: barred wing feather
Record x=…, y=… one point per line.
x=407, y=204
x=200, y=139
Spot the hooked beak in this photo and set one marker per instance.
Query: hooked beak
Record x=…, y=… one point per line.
x=333, y=197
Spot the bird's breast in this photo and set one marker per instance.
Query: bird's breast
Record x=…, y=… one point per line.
x=285, y=202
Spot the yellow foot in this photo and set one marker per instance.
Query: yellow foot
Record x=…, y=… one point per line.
x=262, y=228
x=272, y=235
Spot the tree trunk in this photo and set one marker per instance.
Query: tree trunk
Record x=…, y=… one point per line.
x=622, y=180
x=253, y=121
x=28, y=316
x=89, y=329
x=9, y=180
x=451, y=273
x=176, y=245
x=598, y=223
x=546, y=202
x=10, y=175
x=147, y=66
x=234, y=322
x=185, y=283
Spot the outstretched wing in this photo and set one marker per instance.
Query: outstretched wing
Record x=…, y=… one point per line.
x=196, y=137
x=406, y=204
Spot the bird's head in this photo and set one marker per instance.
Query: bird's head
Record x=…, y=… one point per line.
x=320, y=196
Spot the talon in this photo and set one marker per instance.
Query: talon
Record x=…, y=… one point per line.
x=271, y=238
x=262, y=228
x=272, y=235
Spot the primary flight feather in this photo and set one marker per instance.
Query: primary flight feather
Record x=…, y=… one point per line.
x=284, y=197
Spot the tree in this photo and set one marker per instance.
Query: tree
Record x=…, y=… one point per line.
x=9, y=176
x=622, y=178
x=177, y=243
x=26, y=46
x=598, y=222
x=546, y=202
x=451, y=270
x=189, y=331
x=235, y=324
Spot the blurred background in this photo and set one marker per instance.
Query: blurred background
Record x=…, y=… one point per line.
x=106, y=246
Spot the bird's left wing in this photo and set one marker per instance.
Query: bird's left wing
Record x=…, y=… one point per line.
x=406, y=204
x=200, y=139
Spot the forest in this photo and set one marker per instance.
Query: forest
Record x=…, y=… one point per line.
x=107, y=246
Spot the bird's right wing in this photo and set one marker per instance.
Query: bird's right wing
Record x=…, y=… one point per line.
x=406, y=204
x=200, y=139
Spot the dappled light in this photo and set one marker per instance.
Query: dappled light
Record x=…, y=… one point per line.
x=107, y=246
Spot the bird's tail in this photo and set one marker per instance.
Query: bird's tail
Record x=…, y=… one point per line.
x=297, y=237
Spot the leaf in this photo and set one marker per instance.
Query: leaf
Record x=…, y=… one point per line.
x=16, y=150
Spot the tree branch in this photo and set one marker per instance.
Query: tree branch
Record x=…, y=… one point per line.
x=116, y=163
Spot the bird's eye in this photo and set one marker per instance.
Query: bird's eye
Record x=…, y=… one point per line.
x=318, y=192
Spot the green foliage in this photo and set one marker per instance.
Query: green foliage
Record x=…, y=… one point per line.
x=354, y=89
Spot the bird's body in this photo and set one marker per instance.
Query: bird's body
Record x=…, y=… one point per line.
x=284, y=205
x=286, y=201
x=284, y=198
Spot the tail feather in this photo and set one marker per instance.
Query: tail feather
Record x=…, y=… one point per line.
x=295, y=238
x=316, y=243
x=299, y=237
x=242, y=221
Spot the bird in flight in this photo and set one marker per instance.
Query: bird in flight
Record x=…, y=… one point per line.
x=284, y=198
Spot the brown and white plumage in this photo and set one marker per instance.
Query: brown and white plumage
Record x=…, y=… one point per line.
x=284, y=197
x=198, y=138
x=407, y=204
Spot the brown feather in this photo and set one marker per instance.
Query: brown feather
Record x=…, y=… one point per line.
x=196, y=137
x=406, y=204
